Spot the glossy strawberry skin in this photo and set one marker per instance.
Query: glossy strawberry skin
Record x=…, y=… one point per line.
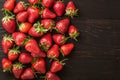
x=52, y=76
x=12, y=56
x=48, y=3
x=33, y=1
x=9, y=4
x=22, y=16
x=39, y=66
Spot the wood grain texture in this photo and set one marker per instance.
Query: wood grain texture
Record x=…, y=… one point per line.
x=97, y=53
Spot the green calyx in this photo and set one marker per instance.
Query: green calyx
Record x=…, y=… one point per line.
x=14, y=50
x=62, y=52
x=26, y=40
x=39, y=28
x=71, y=13
x=21, y=26
x=62, y=62
x=8, y=69
x=52, y=25
x=7, y=12
x=8, y=38
x=25, y=4
x=44, y=47
x=74, y=35
x=64, y=40
x=7, y=18
x=18, y=65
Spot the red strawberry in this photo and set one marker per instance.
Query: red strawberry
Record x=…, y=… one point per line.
x=39, y=66
x=47, y=14
x=46, y=42
x=71, y=9
x=48, y=3
x=73, y=32
x=25, y=58
x=62, y=25
x=7, y=43
x=53, y=52
x=52, y=76
x=40, y=55
x=37, y=30
x=59, y=8
x=57, y=66
x=32, y=46
x=6, y=64
x=66, y=49
x=17, y=70
x=28, y=74
x=48, y=24
x=9, y=24
x=24, y=27
x=59, y=39
x=13, y=54
x=33, y=14
x=9, y=4
x=34, y=1
x=19, y=38
x=20, y=6
x=22, y=16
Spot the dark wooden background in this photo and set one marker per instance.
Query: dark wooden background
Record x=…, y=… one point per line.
x=97, y=54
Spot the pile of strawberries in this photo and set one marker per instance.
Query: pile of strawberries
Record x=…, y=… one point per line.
x=36, y=34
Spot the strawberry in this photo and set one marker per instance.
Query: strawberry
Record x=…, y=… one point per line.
x=39, y=66
x=57, y=66
x=24, y=27
x=59, y=8
x=9, y=4
x=7, y=43
x=62, y=25
x=66, y=49
x=17, y=70
x=59, y=39
x=9, y=24
x=22, y=16
x=47, y=14
x=37, y=30
x=6, y=65
x=28, y=74
x=32, y=46
x=52, y=76
x=13, y=53
x=48, y=3
x=46, y=42
x=33, y=1
x=53, y=52
x=25, y=58
x=19, y=38
x=71, y=9
x=40, y=55
x=33, y=14
x=48, y=24
x=20, y=6
x=73, y=32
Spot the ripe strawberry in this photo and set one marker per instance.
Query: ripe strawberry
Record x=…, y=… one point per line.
x=46, y=42
x=59, y=39
x=25, y=58
x=24, y=27
x=73, y=32
x=9, y=4
x=33, y=1
x=62, y=25
x=32, y=46
x=71, y=9
x=48, y=3
x=20, y=6
x=57, y=66
x=13, y=54
x=40, y=55
x=59, y=8
x=47, y=14
x=9, y=24
x=28, y=74
x=22, y=16
x=6, y=65
x=7, y=43
x=39, y=66
x=37, y=30
x=48, y=24
x=53, y=52
x=19, y=38
x=33, y=14
x=52, y=76
x=17, y=70
x=66, y=49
